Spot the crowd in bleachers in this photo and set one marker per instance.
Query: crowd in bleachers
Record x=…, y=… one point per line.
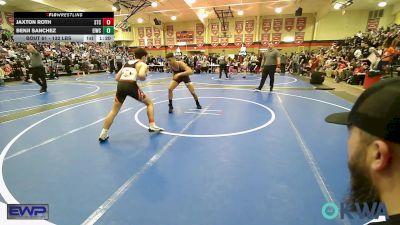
x=59, y=58
x=373, y=52
x=348, y=60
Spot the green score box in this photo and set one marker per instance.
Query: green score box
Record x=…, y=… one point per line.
x=108, y=30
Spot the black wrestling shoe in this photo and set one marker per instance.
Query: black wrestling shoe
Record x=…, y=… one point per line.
x=170, y=108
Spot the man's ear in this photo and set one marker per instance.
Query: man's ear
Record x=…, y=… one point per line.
x=380, y=155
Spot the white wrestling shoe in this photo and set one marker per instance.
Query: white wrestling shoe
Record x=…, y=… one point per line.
x=103, y=136
x=154, y=128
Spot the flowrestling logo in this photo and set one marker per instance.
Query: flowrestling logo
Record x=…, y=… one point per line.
x=331, y=211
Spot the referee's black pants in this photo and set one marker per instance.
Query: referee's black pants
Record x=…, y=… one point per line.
x=268, y=71
x=223, y=67
x=39, y=76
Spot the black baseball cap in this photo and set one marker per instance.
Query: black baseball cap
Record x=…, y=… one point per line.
x=376, y=111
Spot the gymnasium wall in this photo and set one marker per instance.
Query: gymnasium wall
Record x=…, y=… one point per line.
x=388, y=17
x=5, y=20
x=251, y=34
x=335, y=26
x=256, y=29
x=126, y=36
x=332, y=26
x=396, y=12
x=397, y=19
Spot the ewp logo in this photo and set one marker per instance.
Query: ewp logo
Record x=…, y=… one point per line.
x=28, y=211
x=330, y=211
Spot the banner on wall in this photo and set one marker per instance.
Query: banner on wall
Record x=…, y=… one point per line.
x=157, y=42
x=276, y=38
x=249, y=26
x=239, y=27
x=266, y=25
x=170, y=42
x=149, y=43
x=170, y=30
x=149, y=32
x=289, y=24
x=214, y=41
x=248, y=39
x=140, y=31
x=184, y=36
x=141, y=43
x=199, y=28
x=214, y=28
x=225, y=27
x=299, y=37
x=238, y=39
x=9, y=18
x=200, y=41
x=301, y=23
x=265, y=39
x=373, y=24
x=278, y=24
x=224, y=41
x=157, y=32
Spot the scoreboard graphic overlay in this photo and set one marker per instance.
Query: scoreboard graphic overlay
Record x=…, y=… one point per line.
x=63, y=26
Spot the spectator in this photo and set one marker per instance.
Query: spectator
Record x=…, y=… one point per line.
x=284, y=59
x=374, y=147
x=2, y=76
x=204, y=65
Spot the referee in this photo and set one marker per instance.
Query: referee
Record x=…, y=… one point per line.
x=271, y=61
x=36, y=68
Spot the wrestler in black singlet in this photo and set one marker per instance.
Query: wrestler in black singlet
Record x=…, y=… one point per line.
x=185, y=79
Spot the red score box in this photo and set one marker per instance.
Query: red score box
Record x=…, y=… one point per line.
x=108, y=21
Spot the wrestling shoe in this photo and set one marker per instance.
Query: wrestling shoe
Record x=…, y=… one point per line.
x=154, y=128
x=170, y=108
x=103, y=136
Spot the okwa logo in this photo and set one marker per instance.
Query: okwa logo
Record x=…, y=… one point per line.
x=330, y=211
